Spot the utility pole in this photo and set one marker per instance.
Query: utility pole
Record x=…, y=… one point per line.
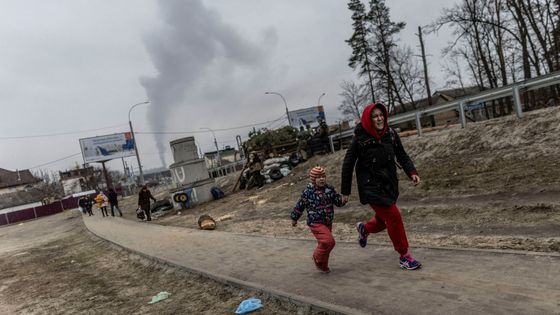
x=136, y=143
x=285, y=105
x=426, y=79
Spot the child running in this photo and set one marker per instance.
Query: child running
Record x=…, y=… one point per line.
x=318, y=199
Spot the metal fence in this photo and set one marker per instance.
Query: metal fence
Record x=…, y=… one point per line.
x=459, y=105
x=226, y=169
x=39, y=211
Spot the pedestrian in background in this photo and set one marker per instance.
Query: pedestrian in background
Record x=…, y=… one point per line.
x=114, y=201
x=318, y=199
x=82, y=204
x=102, y=200
x=88, y=205
x=373, y=151
x=144, y=197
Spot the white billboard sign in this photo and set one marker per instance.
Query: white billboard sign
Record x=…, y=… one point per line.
x=108, y=147
x=306, y=116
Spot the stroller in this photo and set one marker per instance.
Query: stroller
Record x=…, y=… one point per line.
x=140, y=214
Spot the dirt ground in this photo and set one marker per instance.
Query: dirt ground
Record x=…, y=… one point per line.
x=54, y=266
x=495, y=184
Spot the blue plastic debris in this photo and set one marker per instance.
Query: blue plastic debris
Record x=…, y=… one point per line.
x=248, y=305
x=159, y=297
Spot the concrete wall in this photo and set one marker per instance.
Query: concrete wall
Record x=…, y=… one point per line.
x=189, y=172
x=184, y=149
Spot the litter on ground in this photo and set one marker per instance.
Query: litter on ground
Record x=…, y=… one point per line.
x=248, y=305
x=159, y=297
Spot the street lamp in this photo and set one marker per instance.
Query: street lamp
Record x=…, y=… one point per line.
x=134, y=141
x=285, y=104
x=215, y=143
x=319, y=100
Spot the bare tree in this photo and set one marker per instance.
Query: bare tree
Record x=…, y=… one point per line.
x=453, y=73
x=425, y=65
x=384, y=32
x=354, y=99
x=361, y=50
x=50, y=185
x=408, y=77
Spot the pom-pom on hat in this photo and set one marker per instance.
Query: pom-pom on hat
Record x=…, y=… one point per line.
x=315, y=172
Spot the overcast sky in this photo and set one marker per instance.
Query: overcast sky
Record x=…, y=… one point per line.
x=72, y=69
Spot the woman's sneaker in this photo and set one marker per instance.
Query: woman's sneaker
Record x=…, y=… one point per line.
x=362, y=234
x=408, y=262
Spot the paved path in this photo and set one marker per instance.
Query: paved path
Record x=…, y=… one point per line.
x=362, y=280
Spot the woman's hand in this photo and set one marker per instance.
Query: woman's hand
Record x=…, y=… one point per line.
x=415, y=180
x=344, y=199
x=294, y=222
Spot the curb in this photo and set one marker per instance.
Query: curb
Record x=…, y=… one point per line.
x=313, y=304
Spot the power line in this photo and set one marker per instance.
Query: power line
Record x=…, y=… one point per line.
x=60, y=133
x=177, y=132
x=138, y=132
x=204, y=131
x=57, y=160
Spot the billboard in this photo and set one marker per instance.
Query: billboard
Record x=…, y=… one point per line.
x=306, y=116
x=108, y=147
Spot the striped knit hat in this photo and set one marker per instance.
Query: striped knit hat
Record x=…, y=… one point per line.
x=316, y=172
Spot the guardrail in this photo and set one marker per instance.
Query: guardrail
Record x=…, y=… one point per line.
x=459, y=104
x=226, y=169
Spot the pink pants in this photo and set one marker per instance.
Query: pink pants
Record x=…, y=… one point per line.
x=389, y=218
x=325, y=243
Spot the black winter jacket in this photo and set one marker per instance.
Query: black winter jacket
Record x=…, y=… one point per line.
x=144, y=197
x=376, y=170
x=113, y=197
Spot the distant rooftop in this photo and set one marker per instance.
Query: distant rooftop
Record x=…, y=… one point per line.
x=16, y=178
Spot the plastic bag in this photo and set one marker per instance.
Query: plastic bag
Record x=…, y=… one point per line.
x=140, y=214
x=159, y=297
x=248, y=305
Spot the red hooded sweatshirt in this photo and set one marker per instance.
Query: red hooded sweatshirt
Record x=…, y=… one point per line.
x=368, y=125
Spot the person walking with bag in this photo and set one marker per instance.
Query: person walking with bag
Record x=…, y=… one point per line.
x=82, y=204
x=144, y=197
x=373, y=151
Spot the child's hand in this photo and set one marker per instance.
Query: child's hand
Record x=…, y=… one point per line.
x=294, y=222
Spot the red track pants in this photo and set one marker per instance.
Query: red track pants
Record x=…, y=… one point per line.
x=325, y=244
x=389, y=218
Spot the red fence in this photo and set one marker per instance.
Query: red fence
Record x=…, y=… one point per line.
x=40, y=211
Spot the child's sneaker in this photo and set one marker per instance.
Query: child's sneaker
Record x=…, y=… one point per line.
x=362, y=234
x=408, y=262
